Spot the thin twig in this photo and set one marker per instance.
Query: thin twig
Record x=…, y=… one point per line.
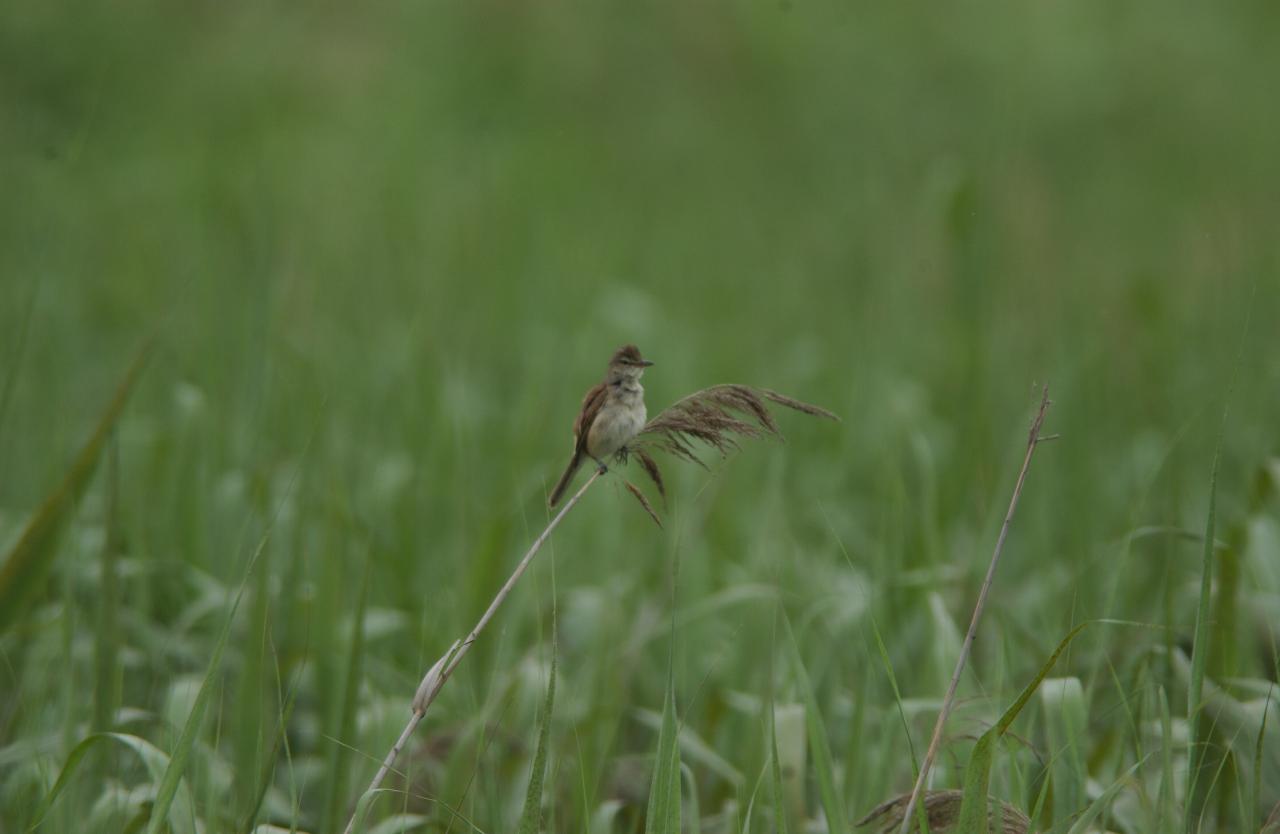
x=440, y=671
x=948, y=701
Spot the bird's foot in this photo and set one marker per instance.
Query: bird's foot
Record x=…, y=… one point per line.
x=601, y=467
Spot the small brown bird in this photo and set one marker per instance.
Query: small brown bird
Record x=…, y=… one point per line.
x=612, y=414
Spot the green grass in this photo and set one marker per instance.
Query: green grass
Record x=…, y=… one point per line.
x=384, y=248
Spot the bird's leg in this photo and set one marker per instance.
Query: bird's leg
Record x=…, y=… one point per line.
x=600, y=465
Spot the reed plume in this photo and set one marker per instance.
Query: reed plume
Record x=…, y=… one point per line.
x=719, y=417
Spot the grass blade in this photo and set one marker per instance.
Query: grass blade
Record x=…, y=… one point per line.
x=1199, y=652
x=948, y=700
x=281, y=744
x=106, y=638
x=350, y=695
x=156, y=762
x=695, y=814
x=832, y=805
x=1062, y=700
x=531, y=816
x=1166, y=813
x=775, y=772
x=1083, y=822
x=187, y=739
x=977, y=776
x=30, y=559
x=1255, y=797
x=663, y=815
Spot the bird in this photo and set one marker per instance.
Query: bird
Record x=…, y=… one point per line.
x=612, y=414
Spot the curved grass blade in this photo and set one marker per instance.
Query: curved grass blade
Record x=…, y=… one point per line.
x=172, y=778
x=1084, y=821
x=30, y=559
x=977, y=776
x=531, y=816
x=362, y=810
x=663, y=816
x=749, y=814
x=180, y=812
x=281, y=744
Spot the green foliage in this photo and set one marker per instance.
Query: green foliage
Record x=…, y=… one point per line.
x=775, y=778
x=29, y=561
x=531, y=816
x=1082, y=823
x=663, y=814
x=819, y=744
x=977, y=776
x=351, y=680
x=1065, y=714
x=1198, y=736
x=168, y=789
x=178, y=812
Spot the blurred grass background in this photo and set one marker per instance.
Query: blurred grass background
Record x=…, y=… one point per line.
x=386, y=247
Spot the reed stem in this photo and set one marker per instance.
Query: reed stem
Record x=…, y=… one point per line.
x=1033, y=440
x=433, y=681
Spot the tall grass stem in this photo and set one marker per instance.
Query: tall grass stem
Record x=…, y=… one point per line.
x=433, y=681
x=1033, y=439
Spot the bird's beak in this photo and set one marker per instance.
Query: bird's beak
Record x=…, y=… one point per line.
x=644, y=363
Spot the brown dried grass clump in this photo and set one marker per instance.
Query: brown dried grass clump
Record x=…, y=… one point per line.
x=943, y=810
x=719, y=417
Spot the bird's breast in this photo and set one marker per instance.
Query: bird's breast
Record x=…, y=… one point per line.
x=616, y=424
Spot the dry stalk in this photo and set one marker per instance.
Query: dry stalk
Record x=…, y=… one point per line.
x=440, y=671
x=1272, y=825
x=650, y=466
x=948, y=701
x=644, y=502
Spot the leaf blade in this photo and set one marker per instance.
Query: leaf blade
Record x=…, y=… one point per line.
x=531, y=816
x=32, y=556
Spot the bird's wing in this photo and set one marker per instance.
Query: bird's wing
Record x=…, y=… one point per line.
x=591, y=405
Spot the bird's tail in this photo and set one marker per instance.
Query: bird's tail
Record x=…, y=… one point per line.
x=563, y=484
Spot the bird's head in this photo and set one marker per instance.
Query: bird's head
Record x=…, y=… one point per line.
x=627, y=363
